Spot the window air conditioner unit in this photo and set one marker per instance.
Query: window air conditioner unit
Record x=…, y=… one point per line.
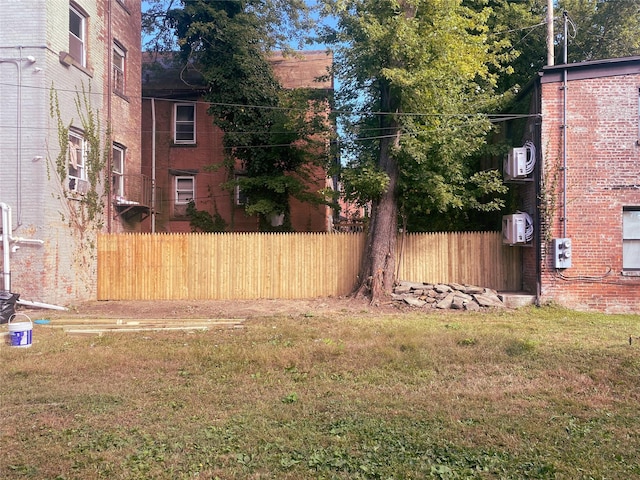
x=78, y=186
x=519, y=162
x=517, y=229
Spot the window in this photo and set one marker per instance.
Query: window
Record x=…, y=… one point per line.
x=117, y=173
x=77, y=36
x=119, y=57
x=77, y=163
x=185, y=123
x=631, y=238
x=184, y=190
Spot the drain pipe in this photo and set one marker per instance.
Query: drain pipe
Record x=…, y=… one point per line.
x=153, y=165
x=7, y=240
x=6, y=234
x=565, y=127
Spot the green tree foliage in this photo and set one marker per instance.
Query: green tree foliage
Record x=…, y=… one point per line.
x=602, y=28
x=417, y=72
x=598, y=29
x=203, y=221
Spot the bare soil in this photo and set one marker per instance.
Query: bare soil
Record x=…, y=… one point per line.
x=218, y=309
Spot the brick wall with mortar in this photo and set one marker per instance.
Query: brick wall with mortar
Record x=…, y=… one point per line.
x=126, y=107
x=602, y=177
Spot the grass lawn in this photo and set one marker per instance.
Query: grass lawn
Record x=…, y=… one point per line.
x=532, y=393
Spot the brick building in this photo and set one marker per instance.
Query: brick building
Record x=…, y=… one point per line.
x=62, y=62
x=583, y=195
x=180, y=144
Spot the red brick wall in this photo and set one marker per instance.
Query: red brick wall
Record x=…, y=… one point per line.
x=125, y=109
x=602, y=177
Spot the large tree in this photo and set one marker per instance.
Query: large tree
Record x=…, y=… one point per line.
x=416, y=76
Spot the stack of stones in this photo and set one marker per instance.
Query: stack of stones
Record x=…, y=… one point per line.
x=446, y=296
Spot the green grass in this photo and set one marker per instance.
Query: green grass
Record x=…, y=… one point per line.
x=536, y=393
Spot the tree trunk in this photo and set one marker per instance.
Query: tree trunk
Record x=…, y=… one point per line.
x=377, y=269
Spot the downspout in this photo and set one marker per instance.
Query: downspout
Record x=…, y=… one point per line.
x=19, y=143
x=6, y=252
x=153, y=165
x=18, y=63
x=109, y=126
x=565, y=128
x=539, y=172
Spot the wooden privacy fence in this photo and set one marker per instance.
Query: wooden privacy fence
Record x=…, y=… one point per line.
x=299, y=265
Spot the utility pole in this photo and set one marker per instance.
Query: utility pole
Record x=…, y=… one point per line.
x=550, y=45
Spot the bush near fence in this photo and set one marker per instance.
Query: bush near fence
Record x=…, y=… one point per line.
x=288, y=266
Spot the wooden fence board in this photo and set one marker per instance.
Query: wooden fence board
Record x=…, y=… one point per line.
x=297, y=265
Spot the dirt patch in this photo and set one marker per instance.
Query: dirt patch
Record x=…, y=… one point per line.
x=217, y=309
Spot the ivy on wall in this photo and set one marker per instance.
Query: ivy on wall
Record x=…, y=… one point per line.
x=82, y=212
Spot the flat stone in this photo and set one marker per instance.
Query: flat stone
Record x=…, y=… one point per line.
x=395, y=296
x=400, y=289
x=414, y=302
x=488, y=300
x=464, y=296
x=428, y=299
x=458, y=303
x=446, y=302
x=458, y=287
x=472, y=306
x=442, y=288
x=471, y=289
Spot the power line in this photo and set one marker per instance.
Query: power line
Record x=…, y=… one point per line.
x=328, y=111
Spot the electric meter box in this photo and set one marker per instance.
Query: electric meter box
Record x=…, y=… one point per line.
x=561, y=252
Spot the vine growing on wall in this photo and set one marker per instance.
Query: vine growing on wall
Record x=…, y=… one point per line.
x=82, y=209
x=548, y=196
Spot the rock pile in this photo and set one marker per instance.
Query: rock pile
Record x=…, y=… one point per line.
x=446, y=296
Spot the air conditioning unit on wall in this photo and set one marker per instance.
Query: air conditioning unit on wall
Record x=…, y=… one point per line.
x=517, y=229
x=79, y=186
x=520, y=162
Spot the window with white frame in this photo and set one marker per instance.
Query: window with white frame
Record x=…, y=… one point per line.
x=117, y=172
x=119, y=57
x=77, y=35
x=185, y=189
x=631, y=238
x=184, y=193
x=77, y=162
x=184, y=123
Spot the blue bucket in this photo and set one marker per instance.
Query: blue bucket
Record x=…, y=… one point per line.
x=20, y=333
